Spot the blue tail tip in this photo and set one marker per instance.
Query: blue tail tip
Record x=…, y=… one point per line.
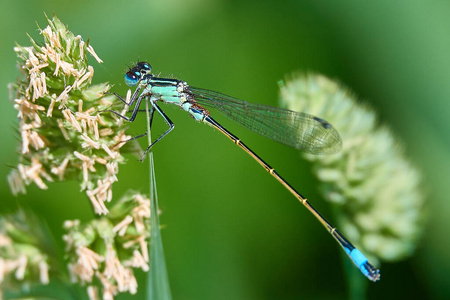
x=363, y=264
x=370, y=271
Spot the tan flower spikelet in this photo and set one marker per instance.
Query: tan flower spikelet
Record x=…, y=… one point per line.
x=108, y=249
x=63, y=133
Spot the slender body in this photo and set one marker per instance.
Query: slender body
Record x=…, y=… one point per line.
x=299, y=130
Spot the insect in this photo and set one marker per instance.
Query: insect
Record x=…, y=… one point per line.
x=296, y=129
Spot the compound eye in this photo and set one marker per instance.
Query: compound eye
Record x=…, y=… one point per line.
x=144, y=67
x=132, y=78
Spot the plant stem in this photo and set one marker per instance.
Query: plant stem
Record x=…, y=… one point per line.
x=158, y=280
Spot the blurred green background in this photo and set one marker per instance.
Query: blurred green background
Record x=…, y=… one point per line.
x=230, y=230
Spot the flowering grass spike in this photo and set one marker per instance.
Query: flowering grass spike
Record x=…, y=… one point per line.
x=375, y=188
x=107, y=249
x=25, y=251
x=63, y=134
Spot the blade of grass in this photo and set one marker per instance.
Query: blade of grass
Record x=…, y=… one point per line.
x=157, y=280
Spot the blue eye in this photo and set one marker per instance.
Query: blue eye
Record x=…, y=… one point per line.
x=144, y=66
x=131, y=79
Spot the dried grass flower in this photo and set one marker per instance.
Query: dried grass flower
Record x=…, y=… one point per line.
x=104, y=252
x=62, y=131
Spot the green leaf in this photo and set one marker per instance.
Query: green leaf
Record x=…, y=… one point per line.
x=158, y=280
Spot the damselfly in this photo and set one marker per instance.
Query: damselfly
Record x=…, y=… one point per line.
x=299, y=130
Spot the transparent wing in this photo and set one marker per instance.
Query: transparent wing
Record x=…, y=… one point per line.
x=299, y=130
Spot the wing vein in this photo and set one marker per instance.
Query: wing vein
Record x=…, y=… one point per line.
x=296, y=129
